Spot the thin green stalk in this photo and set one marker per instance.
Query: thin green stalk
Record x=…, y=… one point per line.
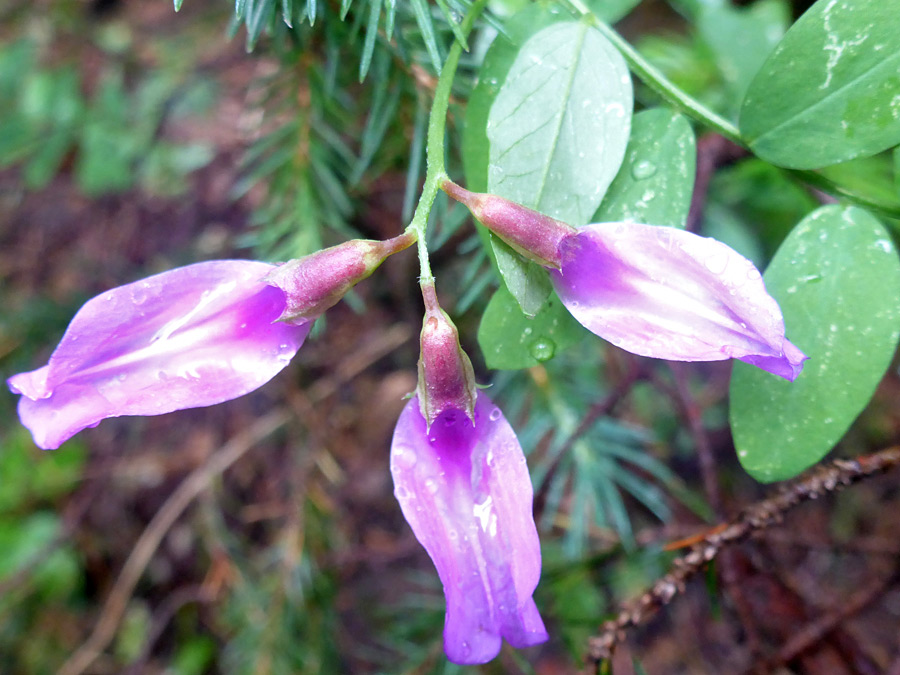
x=435, y=168
x=654, y=78
x=876, y=206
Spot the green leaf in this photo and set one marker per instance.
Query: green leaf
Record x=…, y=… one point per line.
x=559, y=125
x=371, y=34
x=831, y=90
x=426, y=25
x=525, y=280
x=610, y=11
x=897, y=170
x=655, y=183
x=491, y=76
x=258, y=17
x=742, y=38
x=511, y=341
x=24, y=543
x=528, y=283
x=869, y=177
x=837, y=278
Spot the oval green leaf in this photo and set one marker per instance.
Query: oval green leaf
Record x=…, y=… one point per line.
x=656, y=181
x=497, y=61
x=560, y=123
x=510, y=341
x=837, y=278
x=526, y=281
x=831, y=89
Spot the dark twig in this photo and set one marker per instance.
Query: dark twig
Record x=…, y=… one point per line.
x=713, y=152
x=693, y=415
x=730, y=574
x=759, y=516
x=819, y=629
x=162, y=618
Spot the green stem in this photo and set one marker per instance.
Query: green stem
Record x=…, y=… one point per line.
x=654, y=78
x=435, y=168
x=876, y=206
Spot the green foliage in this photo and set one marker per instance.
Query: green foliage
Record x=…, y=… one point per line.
x=499, y=58
x=31, y=477
x=510, y=340
x=740, y=40
x=763, y=201
x=656, y=180
x=824, y=277
x=114, y=135
x=44, y=572
x=586, y=483
x=549, y=149
x=829, y=93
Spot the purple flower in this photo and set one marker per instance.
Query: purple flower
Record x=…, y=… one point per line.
x=463, y=485
x=187, y=338
x=464, y=488
x=653, y=291
x=670, y=294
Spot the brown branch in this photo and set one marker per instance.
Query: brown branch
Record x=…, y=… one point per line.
x=759, y=516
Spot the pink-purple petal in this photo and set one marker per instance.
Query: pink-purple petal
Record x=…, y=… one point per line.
x=670, y=294
x=187, y=338
x=466, y=492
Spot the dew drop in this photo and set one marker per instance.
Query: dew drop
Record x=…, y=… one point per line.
x=495, y=414
x=139, y=295
x=717, y=263
x=643, y=170
x=431, y=485
x=543, y=349
x=404, y=458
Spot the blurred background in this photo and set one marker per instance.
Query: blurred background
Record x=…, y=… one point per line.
x=134, y=139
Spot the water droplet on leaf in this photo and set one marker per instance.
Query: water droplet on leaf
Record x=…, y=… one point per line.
x=543, y=349
x=643, y=170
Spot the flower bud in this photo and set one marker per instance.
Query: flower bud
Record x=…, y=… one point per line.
x=529, y=232
x=318, y=281
x=446, y=379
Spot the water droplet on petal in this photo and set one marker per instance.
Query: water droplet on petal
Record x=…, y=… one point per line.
x=431, y=485
x=495, y=414
x=404, y=457
x=717, y=262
